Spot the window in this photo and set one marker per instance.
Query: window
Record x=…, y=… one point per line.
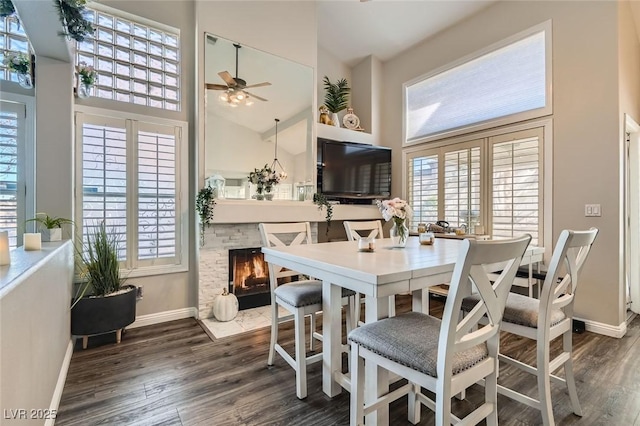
x=135, y=62
x=132, y=176
x=12, y=39
x=16, y=141
x=450, y=182
x=505, y=83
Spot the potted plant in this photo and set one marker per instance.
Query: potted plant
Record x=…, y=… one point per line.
x=86, y=79
x=21, y=65
x=336, y=98
x=110, y=305
x=50, y=226
x=265, y=179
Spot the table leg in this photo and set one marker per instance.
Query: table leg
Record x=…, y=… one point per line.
x=420, y=301
x=376, y=378
x=332, y=337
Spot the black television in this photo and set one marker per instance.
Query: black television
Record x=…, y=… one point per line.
x=349, y=171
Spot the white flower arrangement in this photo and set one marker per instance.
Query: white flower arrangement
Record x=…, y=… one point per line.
x=266, y=178
x=395, y=208
x=18, y=62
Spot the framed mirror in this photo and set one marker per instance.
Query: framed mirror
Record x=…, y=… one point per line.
x=247, y=89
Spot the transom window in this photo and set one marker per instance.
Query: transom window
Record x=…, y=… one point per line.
x=135, y=63
x=505, y=83
x=12, y=39
x=132, y=175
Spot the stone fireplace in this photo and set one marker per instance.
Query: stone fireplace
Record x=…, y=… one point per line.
x=235, y=226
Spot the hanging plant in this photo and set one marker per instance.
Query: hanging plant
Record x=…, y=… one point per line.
x=75, y=25
x=321, y=201
x=205, y=203
x=6, y=8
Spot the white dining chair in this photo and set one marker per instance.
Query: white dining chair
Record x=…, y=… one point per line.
x=444, y=356
x=301, y=298
x=547, y=319
x=368, y=229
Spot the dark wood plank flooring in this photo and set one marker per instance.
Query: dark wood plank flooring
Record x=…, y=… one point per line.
x=175, y=374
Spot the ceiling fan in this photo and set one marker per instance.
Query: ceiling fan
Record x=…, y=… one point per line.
x=235, y=93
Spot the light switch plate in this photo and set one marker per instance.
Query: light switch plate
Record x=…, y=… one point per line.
x=592, y=210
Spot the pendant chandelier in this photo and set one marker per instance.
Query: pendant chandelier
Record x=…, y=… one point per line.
x=282, y=174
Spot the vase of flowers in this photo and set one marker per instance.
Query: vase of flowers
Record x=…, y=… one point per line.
x=87, y=77
x=400, y=212
x=265, y=180
x=21, y=65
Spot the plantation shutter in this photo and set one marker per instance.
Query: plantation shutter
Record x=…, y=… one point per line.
x=104, y=177
x=516, y=186
x=12, y=132
x=462, y=186
x=423, y=187
x=157, y=192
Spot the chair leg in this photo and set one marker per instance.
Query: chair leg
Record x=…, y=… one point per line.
x=357, y=308
x=568, y=373
x=414, y=404
x=392, y=306
x=443, y=403
x=491, y=396
x=312, y=330
x=349, y=313
x=356, y=407
x=544, y=383
x=274, y=331
x=301, y=356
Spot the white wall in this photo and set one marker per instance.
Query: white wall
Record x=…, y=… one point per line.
x=586, y=120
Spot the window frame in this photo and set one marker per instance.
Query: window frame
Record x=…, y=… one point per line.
x=546, y=167
x=132, y=266
x=547, y=110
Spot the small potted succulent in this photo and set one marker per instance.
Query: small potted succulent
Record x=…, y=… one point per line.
x=50, y=226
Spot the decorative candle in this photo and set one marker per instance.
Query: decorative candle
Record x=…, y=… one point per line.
x=479, y=230
x=366, y=244
x=5, y=256
x=32, y=241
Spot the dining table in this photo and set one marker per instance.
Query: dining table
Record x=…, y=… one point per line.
x=377, y=274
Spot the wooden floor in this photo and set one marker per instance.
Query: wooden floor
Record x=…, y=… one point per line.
x=175, y=374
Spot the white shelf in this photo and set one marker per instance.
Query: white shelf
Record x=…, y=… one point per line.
x=342, y=134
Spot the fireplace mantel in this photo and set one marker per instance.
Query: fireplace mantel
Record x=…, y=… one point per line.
x=253, y=211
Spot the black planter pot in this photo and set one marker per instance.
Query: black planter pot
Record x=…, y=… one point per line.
x=97, y=315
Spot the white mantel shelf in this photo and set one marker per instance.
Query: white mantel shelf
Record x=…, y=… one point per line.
x=253, y=211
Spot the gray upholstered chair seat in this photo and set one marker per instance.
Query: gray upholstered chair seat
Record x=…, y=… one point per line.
x=521, y=310
x=411, y=339
x=304, y=293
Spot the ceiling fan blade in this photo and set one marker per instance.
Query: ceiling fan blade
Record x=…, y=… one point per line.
x=254, y=96
x=266, y=83
x=227, y=78
x=212, y=86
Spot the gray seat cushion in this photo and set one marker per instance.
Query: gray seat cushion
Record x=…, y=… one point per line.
x=304, y=293
x=411, y=339
x=521, y=310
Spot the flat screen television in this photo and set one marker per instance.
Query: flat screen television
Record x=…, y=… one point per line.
x=351, y=171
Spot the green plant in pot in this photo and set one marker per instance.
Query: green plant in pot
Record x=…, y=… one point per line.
x=336, y=97
x=50, y=226
x=109, y=305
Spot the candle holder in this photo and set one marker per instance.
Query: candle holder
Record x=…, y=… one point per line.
x=5, y=256
x=32, y=241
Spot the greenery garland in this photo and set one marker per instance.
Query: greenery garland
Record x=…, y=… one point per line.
x=205, y=203
x=75, y=25
x=321, y=201
x=6, y=8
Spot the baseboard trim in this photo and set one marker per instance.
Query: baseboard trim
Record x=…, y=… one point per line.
x=605, y=329
x=62, y=377
x=165, y=316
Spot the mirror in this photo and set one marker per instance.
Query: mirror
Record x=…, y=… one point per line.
x=240, y=138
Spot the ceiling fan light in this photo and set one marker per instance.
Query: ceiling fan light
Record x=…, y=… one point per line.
x=249, y=102
x=240, y=95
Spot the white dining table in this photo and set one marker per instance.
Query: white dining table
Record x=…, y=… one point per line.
x=385, y=271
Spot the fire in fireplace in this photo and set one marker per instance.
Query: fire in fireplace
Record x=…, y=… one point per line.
x=249, y=277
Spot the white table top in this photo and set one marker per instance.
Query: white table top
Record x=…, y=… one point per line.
x=342, y=263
